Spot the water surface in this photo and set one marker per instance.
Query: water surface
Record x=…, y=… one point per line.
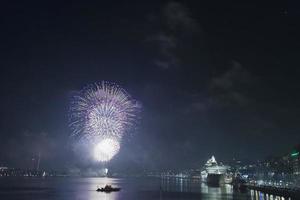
x=13, y=188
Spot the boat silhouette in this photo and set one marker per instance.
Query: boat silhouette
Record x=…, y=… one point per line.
x=108, y=188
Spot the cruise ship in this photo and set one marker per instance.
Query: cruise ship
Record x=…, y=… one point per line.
x=213, y=173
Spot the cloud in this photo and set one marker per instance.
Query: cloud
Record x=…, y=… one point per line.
x=197, y=103
x=232, y=86
x=236, y=73
x=178, y=17
x=175, y=23
x=166, y=44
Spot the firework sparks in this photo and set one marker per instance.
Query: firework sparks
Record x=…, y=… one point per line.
x=103, y=110
x=106, y=149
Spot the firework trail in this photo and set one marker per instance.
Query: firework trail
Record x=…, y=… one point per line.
x=102, y=111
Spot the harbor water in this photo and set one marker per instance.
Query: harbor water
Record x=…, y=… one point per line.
x=67, y=188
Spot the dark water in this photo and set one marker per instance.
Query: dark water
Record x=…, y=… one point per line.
x=132, y=188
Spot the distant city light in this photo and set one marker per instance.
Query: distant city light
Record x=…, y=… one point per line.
x=294, y=154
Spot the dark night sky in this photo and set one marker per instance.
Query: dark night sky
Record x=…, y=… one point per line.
x=213, y=78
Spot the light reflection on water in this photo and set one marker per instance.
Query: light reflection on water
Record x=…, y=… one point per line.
x=256, y=195
x=132, y=188
x=195, y=186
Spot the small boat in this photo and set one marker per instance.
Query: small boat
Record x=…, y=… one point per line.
x=108, y=188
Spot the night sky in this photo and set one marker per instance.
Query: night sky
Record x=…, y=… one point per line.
x=214, y=78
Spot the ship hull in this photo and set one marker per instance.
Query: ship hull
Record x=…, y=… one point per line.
x=213, y=179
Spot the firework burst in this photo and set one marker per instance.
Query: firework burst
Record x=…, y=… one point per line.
x=106, y=149
x=102, y=110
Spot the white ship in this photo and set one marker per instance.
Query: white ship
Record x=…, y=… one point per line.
x=213, y=173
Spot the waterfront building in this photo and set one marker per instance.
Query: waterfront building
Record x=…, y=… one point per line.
x=295, y=158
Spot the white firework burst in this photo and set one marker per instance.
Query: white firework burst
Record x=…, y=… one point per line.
x=106, y=150
x=102, y=110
